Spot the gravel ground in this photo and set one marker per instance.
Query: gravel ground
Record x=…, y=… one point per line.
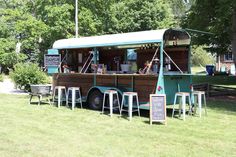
x=8, y=87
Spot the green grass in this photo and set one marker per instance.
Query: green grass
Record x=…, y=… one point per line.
x=48, y=131
x=228, y=81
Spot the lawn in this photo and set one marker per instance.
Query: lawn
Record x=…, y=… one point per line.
x=223, y=80
x=48, y=131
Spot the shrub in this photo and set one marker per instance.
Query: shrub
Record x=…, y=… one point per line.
x=201, y=57
x=1, y=78
x=25, y=74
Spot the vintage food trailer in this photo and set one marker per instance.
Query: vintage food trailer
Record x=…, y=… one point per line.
x=148, y=62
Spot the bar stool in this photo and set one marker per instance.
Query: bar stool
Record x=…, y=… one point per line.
x=130, y=96
x=111, y=106
x=60, y=90
x=74, y=99
x=200, y=95
x=182, y=105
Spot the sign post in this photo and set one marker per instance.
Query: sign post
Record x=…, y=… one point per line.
x=157, y=108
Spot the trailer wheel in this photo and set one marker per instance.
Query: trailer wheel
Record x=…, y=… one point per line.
x=95, y=100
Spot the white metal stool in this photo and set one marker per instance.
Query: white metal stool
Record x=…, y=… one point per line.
x=182, y=105
x=200, y=95
x=60, y=90
x=111, y=106
x=74, y=99
x=130, y=96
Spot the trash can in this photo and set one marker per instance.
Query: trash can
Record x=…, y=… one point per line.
x=210, y=69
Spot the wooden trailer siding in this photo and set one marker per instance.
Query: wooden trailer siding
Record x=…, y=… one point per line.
x=85, y=82
x=143, y=84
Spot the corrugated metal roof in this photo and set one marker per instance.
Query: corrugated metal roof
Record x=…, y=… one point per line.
x=111, y=40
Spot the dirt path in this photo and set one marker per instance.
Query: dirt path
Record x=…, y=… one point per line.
x=8, y=87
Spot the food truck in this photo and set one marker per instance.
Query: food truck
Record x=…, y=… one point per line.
x=147, y=62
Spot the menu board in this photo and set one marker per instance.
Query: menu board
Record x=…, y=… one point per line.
x=157, y=108
x=52, y=60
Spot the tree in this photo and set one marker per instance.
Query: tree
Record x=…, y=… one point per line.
x=217, y=17
x=137, y=15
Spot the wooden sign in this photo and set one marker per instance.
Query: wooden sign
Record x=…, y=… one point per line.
x=157, y=108
x=52, y=60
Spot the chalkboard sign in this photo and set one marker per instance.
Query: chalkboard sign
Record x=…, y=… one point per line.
x=157, y=108
x=52, y=60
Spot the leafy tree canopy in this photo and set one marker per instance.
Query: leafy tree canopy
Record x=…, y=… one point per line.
x=214, y=17
x=38, y=23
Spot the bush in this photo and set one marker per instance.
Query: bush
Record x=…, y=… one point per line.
x=25, y=74
x=201, y=57
x=8, y=60
x=1, y=78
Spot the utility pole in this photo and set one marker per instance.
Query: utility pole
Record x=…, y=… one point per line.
x=76, y=18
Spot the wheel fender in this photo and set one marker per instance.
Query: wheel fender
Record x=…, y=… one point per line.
x=102, y=89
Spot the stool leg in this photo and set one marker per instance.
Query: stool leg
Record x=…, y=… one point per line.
x=183, y=106
x=130, y=107
x=111, y=103
x=204, y=96
x=118, y=101
x=59, y=98
x=67, y=98
x=49, y=101
x=31, y=96
x=190, y=105
x=173, y=110
x=80, y=98
x=138, y=105
x=54, y=94
x=180, y=105
x=73, y=99
x=39, y=97
x=200, y=105
x=122, y=103
x=104, y=98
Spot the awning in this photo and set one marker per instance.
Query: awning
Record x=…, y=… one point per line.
x=143, y=37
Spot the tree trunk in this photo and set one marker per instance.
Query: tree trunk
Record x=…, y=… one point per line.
x=234, y=35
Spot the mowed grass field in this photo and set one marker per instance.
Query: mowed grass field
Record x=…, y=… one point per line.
x=47, y=131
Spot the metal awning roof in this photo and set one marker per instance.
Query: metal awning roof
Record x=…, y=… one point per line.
x=115, y=39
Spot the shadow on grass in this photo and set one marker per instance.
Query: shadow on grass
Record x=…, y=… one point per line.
x=222, y=105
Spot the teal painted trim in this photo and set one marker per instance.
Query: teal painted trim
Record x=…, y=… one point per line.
x=53, y=51
x=112, y=44
x=95, y=51
x=95, y=62
x=160, y=81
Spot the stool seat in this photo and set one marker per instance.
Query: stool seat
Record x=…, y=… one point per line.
x=200, y=95
x=60, y=90
x=130, y=96
x=198, y=92
x=130, y=93
x=182, y=106
x=111, y=91
x=111, y=94
x=73, y=99
x=182, y=93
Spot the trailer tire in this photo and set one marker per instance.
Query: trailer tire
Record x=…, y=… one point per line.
x=95, y=100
